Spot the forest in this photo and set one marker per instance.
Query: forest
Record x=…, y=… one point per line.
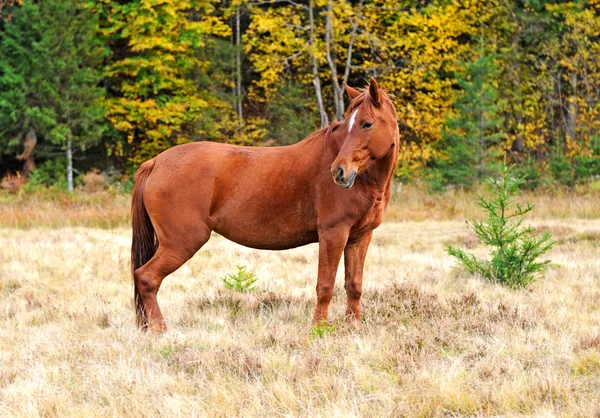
x=99, y=86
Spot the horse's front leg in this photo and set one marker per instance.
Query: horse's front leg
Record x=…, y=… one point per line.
x=354, y=261
x=331, y=247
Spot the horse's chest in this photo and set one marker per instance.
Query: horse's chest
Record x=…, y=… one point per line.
x=373, y=215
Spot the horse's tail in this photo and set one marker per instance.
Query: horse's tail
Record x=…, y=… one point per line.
x=144, y=241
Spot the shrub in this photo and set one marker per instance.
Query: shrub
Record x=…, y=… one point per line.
x=586, y=168
x=578, y=170
x=434, y=182
x=243, y=281
x=530, y=173
x=50, y=173
x=322, y=330
x=125, y=185
x=562, y=171
x=93, y=181
x=515, y=250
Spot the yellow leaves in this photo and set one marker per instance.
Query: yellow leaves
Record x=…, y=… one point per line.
x=157, y=99
x=412, y=157
x=575, y=148
x=426, y=42
x=275, y=40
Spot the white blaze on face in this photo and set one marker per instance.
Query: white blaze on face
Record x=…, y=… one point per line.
x=352, y=120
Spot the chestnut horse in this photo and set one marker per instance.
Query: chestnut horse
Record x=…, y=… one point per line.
x=331, y=188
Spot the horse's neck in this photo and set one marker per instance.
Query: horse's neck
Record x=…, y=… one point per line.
x=382, y=171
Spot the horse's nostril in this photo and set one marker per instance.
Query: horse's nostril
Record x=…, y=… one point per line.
x=340, y=174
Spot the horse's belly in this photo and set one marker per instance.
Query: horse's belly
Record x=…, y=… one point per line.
x=266, y=238
x=267, y=219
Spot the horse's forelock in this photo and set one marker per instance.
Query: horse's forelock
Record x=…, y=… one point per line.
x=364, y=97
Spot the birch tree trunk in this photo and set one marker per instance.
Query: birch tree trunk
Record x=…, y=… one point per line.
x=338, y=91
x=69, y=163
x=238, y=67
x=572, y=120
x=315, y=68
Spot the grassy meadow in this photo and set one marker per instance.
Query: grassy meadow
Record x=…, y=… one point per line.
x=434, y=341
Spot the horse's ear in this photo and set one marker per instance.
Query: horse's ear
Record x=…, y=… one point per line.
x=352, y=93
x=374, y=92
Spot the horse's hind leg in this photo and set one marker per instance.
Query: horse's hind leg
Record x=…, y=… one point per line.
x=149, y=277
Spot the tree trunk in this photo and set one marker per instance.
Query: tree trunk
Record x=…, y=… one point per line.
x=69, y=164
x=517, y=144
x=315, y=68
x=351, y=43
x=238, y=65
x=481, y=136
x=338, y=91
x=27, y=155
x=572, y=121
x=338, y=94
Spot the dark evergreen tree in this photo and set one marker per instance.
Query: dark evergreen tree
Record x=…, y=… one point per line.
x=470, y=133
x=50, y=73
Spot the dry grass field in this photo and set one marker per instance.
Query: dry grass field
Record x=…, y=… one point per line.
x=433, y=342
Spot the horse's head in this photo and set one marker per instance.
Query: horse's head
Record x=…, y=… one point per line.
x=372, y=133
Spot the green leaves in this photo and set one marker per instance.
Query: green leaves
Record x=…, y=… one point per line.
x=322, y=330
x=155, y=102
x=473, y=131
x=243, y=281
x=514, y=250
x=50, y=56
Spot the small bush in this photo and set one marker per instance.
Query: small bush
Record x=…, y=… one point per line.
x=571, y=172
x=586, y=168
x=50, y=173
x=243, y=281
x=587, y=363
x=434, y=182
x=93, y=181
x=562, y=171
x=531, y=174
x=125, y=185
x=322, y=330
x=515, y=250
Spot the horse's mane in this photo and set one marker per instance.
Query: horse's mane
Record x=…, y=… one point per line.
x=323, y=132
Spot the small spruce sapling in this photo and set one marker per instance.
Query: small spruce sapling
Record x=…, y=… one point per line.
x=515, y=250
x=243, y=281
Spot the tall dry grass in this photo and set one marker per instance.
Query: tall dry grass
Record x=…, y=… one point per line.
x=413, y=203
x=109, y=209
x=434, y=343
x=105, y=209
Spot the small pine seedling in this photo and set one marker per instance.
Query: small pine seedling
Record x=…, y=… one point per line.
x=243, y=281
x=322, y=330
x=514, y=250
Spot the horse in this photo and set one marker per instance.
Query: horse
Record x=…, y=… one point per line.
x=332, y=188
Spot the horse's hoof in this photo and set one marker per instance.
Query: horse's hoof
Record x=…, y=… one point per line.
x=353, y=318
x=158, y=328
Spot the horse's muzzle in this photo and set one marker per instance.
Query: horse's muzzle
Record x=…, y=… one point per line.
x=339, y=177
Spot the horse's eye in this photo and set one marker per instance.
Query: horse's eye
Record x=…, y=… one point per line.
x=367, y=125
